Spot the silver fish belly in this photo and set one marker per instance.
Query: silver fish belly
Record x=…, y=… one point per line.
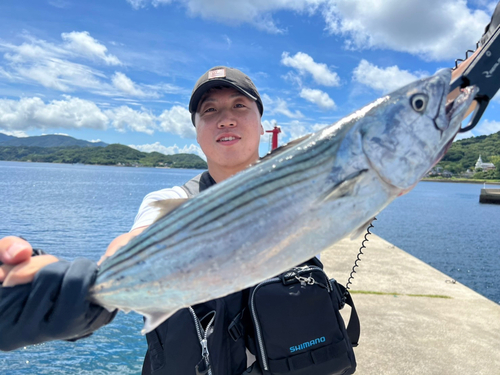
x=286, y=208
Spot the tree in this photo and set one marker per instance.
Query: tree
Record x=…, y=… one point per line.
x=495, y=159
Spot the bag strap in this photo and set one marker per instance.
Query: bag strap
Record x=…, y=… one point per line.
x=353, y=327
x=236, y=328
x=198, y=184
x=307, y=359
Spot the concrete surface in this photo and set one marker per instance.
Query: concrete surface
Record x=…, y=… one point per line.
x=424, y=334
x=489, y=196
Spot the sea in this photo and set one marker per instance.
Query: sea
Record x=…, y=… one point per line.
x=74, y=211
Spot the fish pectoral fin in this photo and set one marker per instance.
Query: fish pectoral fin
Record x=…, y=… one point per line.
x=154, y=319
x=358, y=232
x=167, y=205
x=346, y=187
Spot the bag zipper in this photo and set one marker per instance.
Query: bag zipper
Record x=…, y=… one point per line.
x=203, y=337
x=258, y=331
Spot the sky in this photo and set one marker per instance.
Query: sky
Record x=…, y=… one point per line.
x=122, y=71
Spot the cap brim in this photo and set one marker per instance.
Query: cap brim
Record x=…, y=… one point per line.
x=200, y=91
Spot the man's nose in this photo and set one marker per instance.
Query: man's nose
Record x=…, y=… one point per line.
x=226, y=124
x=226, y=121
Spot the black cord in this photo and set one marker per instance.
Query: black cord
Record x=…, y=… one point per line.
x=358, y=259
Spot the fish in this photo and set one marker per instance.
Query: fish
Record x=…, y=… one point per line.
x=286, y=208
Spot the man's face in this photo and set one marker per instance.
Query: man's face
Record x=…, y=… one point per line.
x=228, y=128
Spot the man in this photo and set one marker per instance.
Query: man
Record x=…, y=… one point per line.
x=226, y=111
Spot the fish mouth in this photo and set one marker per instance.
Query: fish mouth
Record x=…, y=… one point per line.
x=455, y=109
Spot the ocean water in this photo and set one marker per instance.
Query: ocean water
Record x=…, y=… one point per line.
x=76, y=210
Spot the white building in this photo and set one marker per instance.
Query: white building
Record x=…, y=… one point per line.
x=484, y=166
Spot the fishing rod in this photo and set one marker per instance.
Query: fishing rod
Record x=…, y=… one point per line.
x=483, y=72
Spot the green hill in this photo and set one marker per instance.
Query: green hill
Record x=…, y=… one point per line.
x=50, y=140
x=114, y=154
x=5, y=137
x=464, y=153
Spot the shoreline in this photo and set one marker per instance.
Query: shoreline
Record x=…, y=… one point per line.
x=462, y=180
x=96, y=165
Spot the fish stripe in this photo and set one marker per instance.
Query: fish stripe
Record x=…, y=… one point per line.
x=304, y=161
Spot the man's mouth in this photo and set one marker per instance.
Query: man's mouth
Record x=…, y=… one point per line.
x=228, y=139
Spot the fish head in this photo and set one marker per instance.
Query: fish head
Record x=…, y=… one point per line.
x=408, y=131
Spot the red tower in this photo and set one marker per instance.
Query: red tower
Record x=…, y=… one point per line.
x=275, y=132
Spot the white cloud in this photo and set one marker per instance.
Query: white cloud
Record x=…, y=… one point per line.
x=170, y=150
x=486, y=127
x=125, y=84
x=74, y=113
x=433, y=30
x=294, y=130
x=83, y=44
x=318, y=97
x=383, y=79
x=177, y=120
x=15, y=133
x=305, y=64
x=5, y=73
x=293, y=77
x=278, y=105
x=31, y=113
x=256, y=12
x=48, y=64
x=95, y=141
x=125, y=118
x=281, y=106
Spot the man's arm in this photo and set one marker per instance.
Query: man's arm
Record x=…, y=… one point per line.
x=44, y=299
x=121, y=241
x=19, y=267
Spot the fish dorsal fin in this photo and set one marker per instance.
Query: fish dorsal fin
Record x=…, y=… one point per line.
x=283, y=148
x=345, y=187
x=167, y=205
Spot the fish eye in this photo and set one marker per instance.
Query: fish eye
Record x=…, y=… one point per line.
x=419, y=102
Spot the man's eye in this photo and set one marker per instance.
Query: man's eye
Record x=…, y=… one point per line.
x=239, y=105
x=211, y=109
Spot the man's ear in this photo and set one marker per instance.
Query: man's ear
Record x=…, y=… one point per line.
x=261, y=130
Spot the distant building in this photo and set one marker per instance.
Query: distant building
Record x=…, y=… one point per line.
x=484, y=166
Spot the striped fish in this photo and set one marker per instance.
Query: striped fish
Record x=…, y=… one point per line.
x=287, y=207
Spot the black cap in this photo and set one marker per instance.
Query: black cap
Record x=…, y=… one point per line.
x=224, y=76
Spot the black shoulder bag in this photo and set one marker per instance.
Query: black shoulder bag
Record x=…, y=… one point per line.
x=298, y=329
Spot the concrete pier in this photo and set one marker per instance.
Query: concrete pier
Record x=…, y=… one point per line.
x=415, y=319
x=489, y=196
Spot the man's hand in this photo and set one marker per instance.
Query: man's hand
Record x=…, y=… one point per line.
x=18, y=266
x=51, y=304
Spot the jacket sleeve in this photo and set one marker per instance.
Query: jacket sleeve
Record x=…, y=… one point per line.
x=53, y=307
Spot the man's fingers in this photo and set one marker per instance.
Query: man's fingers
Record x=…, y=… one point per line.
x=25, y=272
x=4, y=270
x=14, y=250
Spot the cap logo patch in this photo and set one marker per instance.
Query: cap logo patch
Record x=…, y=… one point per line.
x=217, y=73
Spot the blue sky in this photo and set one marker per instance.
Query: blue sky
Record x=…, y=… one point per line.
x=121, y=71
